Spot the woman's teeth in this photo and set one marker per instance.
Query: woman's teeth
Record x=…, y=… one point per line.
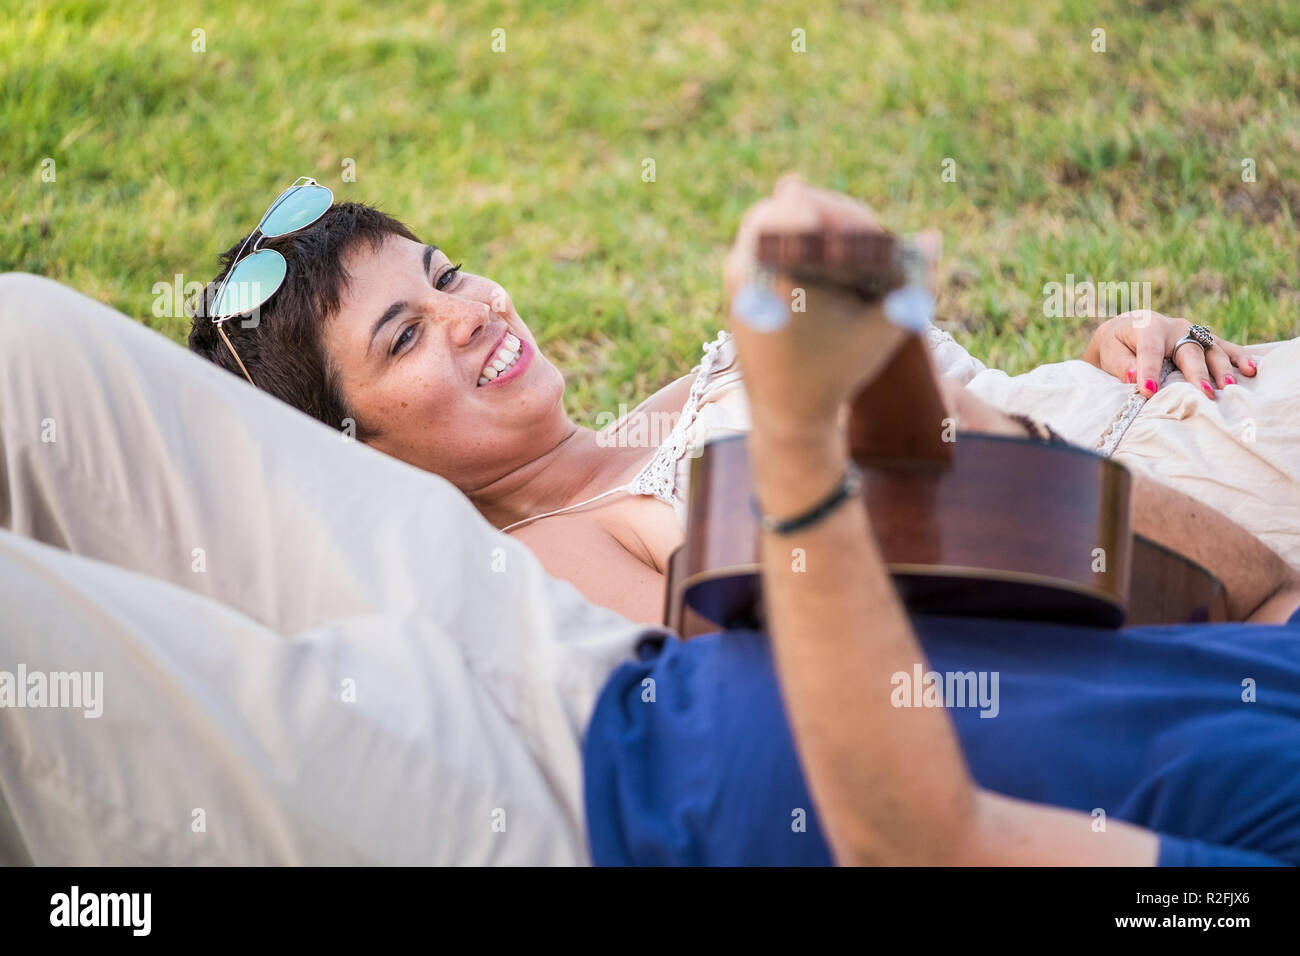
x=506, y=356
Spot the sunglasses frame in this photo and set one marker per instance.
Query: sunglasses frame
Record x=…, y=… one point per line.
x=240, y=258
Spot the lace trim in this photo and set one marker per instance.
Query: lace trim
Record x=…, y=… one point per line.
x=1124, y=418
x=935, y=336
x=658, y=477
x=1110, y=438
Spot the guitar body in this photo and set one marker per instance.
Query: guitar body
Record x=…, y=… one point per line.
x=1168, y=588
x=970, y=539
x=968, y=524
x=1013, y=529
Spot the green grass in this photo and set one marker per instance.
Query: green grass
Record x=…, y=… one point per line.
x=1123, y=165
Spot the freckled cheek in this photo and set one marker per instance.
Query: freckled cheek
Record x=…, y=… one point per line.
x=428, y=408
x=418, y=405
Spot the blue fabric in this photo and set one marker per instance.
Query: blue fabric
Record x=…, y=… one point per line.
x=1147, y=724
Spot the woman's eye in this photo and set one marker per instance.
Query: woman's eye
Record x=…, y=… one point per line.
x=407, y=334
x=447, y=277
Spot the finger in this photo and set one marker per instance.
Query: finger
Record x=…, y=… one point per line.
x=1220, y=367
x=845, y=214
x=740, y=261
x=793, y=207
x=835, y=210
x=1239, y=356
x=1150, y=359
x=1119, y=360
x=797, y=207
x=930, y=242
x=1140, y=320
x=788, y=181
x=1190, y=359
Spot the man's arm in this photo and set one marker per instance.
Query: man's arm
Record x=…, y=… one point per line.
x=891, y=784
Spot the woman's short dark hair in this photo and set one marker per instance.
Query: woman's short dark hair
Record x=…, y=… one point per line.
x=283, y=348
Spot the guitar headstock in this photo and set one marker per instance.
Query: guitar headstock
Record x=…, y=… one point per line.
x=875, y=266
x=869, y=264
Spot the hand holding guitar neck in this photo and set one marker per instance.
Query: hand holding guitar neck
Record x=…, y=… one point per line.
x=876, y=266
x=805, y=281
x=899, y=413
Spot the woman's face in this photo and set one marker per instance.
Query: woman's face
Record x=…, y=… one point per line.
x=417, y=345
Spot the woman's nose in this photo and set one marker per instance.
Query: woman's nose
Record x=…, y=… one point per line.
x=467, y=321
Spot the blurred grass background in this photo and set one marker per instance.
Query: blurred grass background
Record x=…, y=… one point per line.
x=527, y=164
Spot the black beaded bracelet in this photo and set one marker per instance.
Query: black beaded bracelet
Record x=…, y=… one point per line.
x=1038, y=430
x=848, y=488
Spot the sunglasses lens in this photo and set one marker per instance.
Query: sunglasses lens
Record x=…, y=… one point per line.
x=252, y=282
x=301, y=206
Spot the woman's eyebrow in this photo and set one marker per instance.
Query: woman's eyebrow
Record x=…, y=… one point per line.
x=397, y=308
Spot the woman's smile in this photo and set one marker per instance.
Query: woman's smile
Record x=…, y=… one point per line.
x=507, y=361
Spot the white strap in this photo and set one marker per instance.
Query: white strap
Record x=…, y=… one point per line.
x=560, y=511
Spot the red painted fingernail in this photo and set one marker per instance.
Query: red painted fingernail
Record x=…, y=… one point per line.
x=1209, y=389
x=1132, y=375
x=1251, y=363
x=1229, y=380
x=1151, y=386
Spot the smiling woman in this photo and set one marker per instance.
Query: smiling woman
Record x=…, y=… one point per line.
x=433, y=364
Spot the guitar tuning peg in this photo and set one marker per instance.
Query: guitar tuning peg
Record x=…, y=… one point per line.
x=757, y=304
x=911, y=308
x=912, y=305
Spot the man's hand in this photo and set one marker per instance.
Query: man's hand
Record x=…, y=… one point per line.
x=799, y=377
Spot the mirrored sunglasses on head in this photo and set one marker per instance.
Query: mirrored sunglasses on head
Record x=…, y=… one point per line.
x=251, y=281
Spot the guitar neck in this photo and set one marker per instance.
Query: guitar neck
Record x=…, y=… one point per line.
x=900, y=417
x=866, y=264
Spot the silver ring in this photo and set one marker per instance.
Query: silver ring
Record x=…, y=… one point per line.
x=1186, y=339
x=1203, y=336
x=1200, y=334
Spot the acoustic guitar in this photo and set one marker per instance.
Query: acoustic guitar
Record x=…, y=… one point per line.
x=969, y=524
